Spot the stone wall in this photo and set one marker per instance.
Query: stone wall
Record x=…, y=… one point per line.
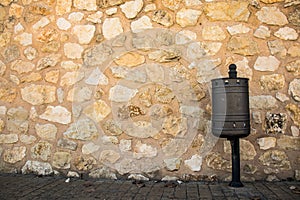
x=117, y=88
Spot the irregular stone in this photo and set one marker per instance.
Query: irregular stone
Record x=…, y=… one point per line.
x=73, y=174
x=109, y=140
x=67, y=144
x=22, y=66
x=109, y=156
x=44, y=21
x=132, y=8
x=103, y=172
x=141, y=24
x=138, y=177
x=63, y=24
x=57, y=114
x=294, y=17
x=25, y=39
x=295, y=110
x=264, y=63
x=70, y=65
x=288, y=142
x=2, y=68
x=171, y=4
x=185, y=36
x=61, y=160
x=294, y=51
x=286, y=33
x=125, y=145
x=48, y=61
x=155, y=73
x=215, y=161
x=272, y=16
x=266, y=142
x=213, y=33
x=211, y=48
x=111, y=11
x=84, y=33
x=15, y=10
x=249, y=169
x=164, y=95
x=294, y=67
x=271, y=1
x=52, y=76
x=130, y=59
x=79, y=94
x=41, y=150
x=75, y=16
x=70, y=78
x=150, y=7
x=73, y=50
x=144, y=151
x=256, y=117
x=111, y=28
x=187, y=17
x=3, y=110
x=36, y=167
x=243, y=45
x=89, y=5
x=84, y=164
x=282, y=97
x=169, y=178
x=262, y=32
x=95, y=17
x=40, y=8
x=90, y=148
x=174, y=126
x=120, y=93
x=8, y=138
x=11, y=53
x=82, y=129
x=243, y=68
x=17, y=120
x=295, y=131
x=192, y=3
x=46, y=131
x=2, y=124
x=275, y=159
x=97, y=111
x=227, y=11
x=14, y=155
x=297, y=175
x=277, y=48
x=48, y=35
x=272, y=82
x=247, y=150
x=163, y=17
x=238, y=29
x=38, y=94
x=30, y=53
x=194, y=163
x=50, y=47
x=6, y=2
x=27, y=139
x=163, y=56
x=112, y=127
x=63, y=7
x=294, y=89
x=60, y=95
x=8, y=92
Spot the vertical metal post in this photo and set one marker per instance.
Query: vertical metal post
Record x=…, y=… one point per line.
x=235, y=157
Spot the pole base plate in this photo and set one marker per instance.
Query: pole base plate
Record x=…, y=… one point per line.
x=236, y=184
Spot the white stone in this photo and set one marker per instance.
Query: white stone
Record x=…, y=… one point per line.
x=119, y=72
x=83, y=129
x=70, y=65
x=213, y=33
x=172, y=163
x=191, y=3
x=30, y=53
x=121, y=93
x=36, y=167
x=187, y=17
x=111, y=11
x=27, y=139
x=294, y=89
x=150, y=7
x=44, y=21
x=63, y=24
x=8, y=138
x=139, y=177
x=295, y=131
x=243, y=68
x=70, y=78
x=84, y=33
x=18, y=28
x=266, y=63
x=46, y=131
x=169, y=178
x=141, y=24
x=286, y=33
x=262, y=32
x=144, y=151
x=90, y=148
x=79, y=94
x=73, y=50
x=3, y=110
x=57, y=114
x=282, y=97
x=194, y=163
x=97, y=111
x=96, y=78
x=125, y=145
x=191, y=111
x=109, y=139
x=38, y=94
x=111, y=27
x=89, y=5
x=266, y=142
x=60, y=95
x=95, y=18
x=132, y=8
x=140, y=129
x=262, y=102
x=73, y=174
x=25, y=39
x=185, y=36
x=238, y=29
x=75, y=16
x=272, y=16
x=211, y=48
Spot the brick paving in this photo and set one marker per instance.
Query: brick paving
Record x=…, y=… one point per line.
x=15, y=186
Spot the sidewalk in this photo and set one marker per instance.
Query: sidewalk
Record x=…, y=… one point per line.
x=14, y=186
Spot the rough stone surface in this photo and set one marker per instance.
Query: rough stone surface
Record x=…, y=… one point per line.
x=144, y=151
x=187, y=17
x=262, y=32
x=38, y=94
x=247, y=150
x=27, y=139
x=263, y=102
x=266, y=142
x=130, y=59
x=111, y=28
x=294, y=51
x=70, y=78
x=286, y=33
x=215, y=161
x=61, y=160
x=295, y=131
x=90, y=148
x=67, y=144
x=289, y=142
x=120, y=93
x=242, y=45
x=63, y=7
x=73, y=50
x=172, y=164
x=8, y=138
x=275, y=123
x=194, y=163
x=141, y=24
x=17, y=120
x=97, y=111
x=277, y=48
x=103, y=172
x=238, y=29
x=264, y=63
x=41, y=150
x=275, y=159
x=213, y=33
x=14, y=155
x=295, y=110
x=48, y=61
x=163, y=17
x=294, y=17
x=271, y=15
x=293, y=67
x=272, y=82
x=25, y=39
x=83, y=129
x=56, y=114
x=294, y=89
x=46, y=131
x=132, y=8
x=36, y=167
x=89, y=5
x=63, y=24
x=109, y=156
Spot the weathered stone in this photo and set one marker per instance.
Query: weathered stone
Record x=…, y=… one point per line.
x=272, y=82
x=286, y=33
x=83, y=129
x=15, y=10
x=48, y=61
x=137, y=75
x=70, y=65
x=187, y=17
x=132, y=8
x=288, y=142
x=138, y=177
x=109, y=156
x=226, y=11
x=125, y=145
x=271, y=1
x=8, y=138
x=8, y=92
x=25, y=39
x=275, y=159
x=63, y=24
x=173, y=164
x=111, y=28
x=70, y=78
x=14, y=155
x=264, y=63
x=73, y=174
x=75, y=16
x=48, y=35
x=40, y=8
x=6, y=2
x=277, y=48
x=213, y=33
x=144, y=151
x=247, y=150
x=211, y=48
x=97, y=78
x=294, y=51
x=295, y=110
x=295, y=131
x=294, y=89
x=67, y=144
x=57, y=114
x=111, y=127
x=2, y=68
x=266, y=142
x=256, y=117
x=61, y=160
x=282, y=97
x=50, y=47
x=41, y=150
x=3, y=110
x=174, y=126
x=30, y=53
x=243, y=68
x=73, y=50
x=79, y=94
x=97, y=111
x=36, y=167
x=121, y=93
x=44, y=21
x=294, y=67
x=195, y=163
x=84, y=33
x=111, y=11
x=163, y=56
x=46, y=131
x=150, y=7
x=130, y=59
x=38, y=94
x=89, y=5
x=141, y=24
x=2, y=125
x=272, y=16
x=297, y=175
x=294, y=17
x=171, y=4
x=164, y=94
x=17, y=120
x=163, y=17
x=215, y=161
x=63, y=7
x=11, y=53
x=52, y=76
x=60, y=95
x=22, y=66
x=262, y=32
x=185, y=36
x=95, y=17
x=249, y=169
x=103, y=172
x=90, y=148
x=27, y=139
x=243, y=45
x=84, y=164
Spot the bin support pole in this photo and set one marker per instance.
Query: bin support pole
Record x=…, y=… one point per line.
x=235, y=157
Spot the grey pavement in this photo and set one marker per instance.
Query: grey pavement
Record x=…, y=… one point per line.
x=16, y=186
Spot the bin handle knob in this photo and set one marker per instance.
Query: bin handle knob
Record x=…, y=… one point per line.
x=232, y=71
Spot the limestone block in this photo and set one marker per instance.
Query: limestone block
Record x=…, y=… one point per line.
x=79, y=94
x=164, y=56
x=141, y=24
x=30, y=53
x=14, y=155
x=44, y=21
x=294, y=17
x=75, y=16
x=57, y=114
x=286, y=33
x=63, y=24
x=163, y=17
x=266, y=142
x=67, y=144
x=275, y=123
x=243, y=45
x=15, y=10
x=272, y=16
x=90, y=148
x=73, y=50
x=89, y=5
x=195, y=163
x=41, y=150
x=272, y=82
x=52, y=76
x=215, y=161
x=187, y=17
x=275, y=159
x=112, y=27
x=294, y=50
x=61, y=160
x=277, y=48
x=125, y=145
x=84, y=163
x=25, y=39
x=36, y=167
x=132, y=8
x=84, y=33
x=46, y=131
x=27, y=139
x=70, y=78
x=103, y=172
x=213, y=33
x=97, y=111
x=185, y=36
x=293, y=67
x=83, y=129
x=109, y=156
x=38, y=94
x=8, y=138
x=247, y=150
x=17, y=120
x=121, y=93
x=142, y=150
x=294, y=89
x=48, y=61
x=295, y=110
x=238, y=29
x=262, y=32
x=266, y=63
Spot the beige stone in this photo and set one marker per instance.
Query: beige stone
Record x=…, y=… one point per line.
x=97, y=111
x=164, y=56
x=70, y=78
x=30, y=53
x=247, y=150
x=27, y=139
x=48, y=61
x=295, y=110
x=281, y=97
x=272, y=82
x=294, y=89
x=44, y=21
x=142, y=150
x=130, y=59
x=141, y=24
x=95, y=18
x=61, y=160
x=243, y=45
x=25, y=39
x=2, y=68
x=286, y=33
x=79, y=94
x=294, y=51
x=289, y=142
x=36, y=167
x=125, y=145
x=6, y=2
x=8, y=92
x=41, y=150
x=120, y=93
x=238, y=29
x=38, y=94
x=295, y=131
x=63, y=24
x=187, y=17
x=5, y=38
x=266, y=63
x=271, y=1
x=171, y=4
x=52, y=76
x=109, y=156
x=266, y=142
x=132, y=8
x=112, y=27
x=75, y=16
x=14, y=155
x=277, y=48
x=90, y=148
x=22, y=66
x=8, y=138
x=111, y=11
x=84, y=33
x=294, y=67
x=163, y=17
x=46, y=131
x=262, y=102
x=57, y=114
x=195, y=163
x=172, y=164
x=262, y=32
x=272, y=16
x=185, y=36
x=89, y=5
x=275, y=159
x=213, y=33
x=63, y=6
x=15, y=10
x=215, y=161
x=211, y=48
x=84, y=163
x=70, y=65
x=32, y=77
x=82, y=129
x=192, y=3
